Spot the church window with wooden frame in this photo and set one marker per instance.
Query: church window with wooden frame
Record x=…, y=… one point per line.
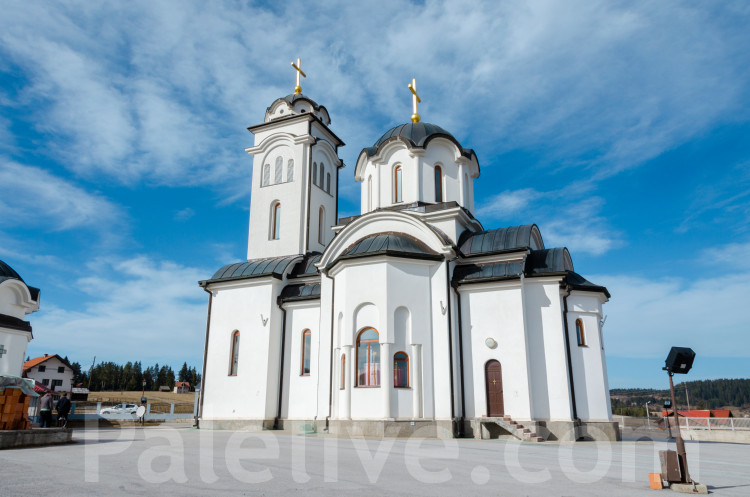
x=438, y=184
x=368, y=358
x=343, y=372
x=397, y=185
x=579, y=333
x=234, y=357
x=400, y=370
x=275, y=220
x=306, y=343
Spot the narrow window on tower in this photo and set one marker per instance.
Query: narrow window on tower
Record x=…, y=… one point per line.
x=234, y=358
x=438, y=184
x=315, y=173
x=322, y=175
x=397, y=177
x=400, y=370
x=275, y=220
x=266, y=175
x=290, y=170
x=579, y=333
x=278, y=170
x=306, y=339
x=369, y=194
x=328, y=182
x=321, y=225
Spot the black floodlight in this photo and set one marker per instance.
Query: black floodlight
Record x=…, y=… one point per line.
x=667, y=404
x=679, y=360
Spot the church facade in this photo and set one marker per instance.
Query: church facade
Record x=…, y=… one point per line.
x=410, y=317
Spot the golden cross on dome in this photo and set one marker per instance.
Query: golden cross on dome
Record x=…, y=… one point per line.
x=298, y=68
x=414, y=99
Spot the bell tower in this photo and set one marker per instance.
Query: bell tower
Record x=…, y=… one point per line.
x=294, y=198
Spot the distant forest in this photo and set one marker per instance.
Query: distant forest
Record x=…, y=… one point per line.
x=107, y=376
x=704, y=394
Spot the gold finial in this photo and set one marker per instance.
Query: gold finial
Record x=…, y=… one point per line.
x=414, y=100
x=298, y=67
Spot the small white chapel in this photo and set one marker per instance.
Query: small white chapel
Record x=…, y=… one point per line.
x=410, y=318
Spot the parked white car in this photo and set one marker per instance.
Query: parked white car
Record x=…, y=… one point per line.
x=120, y=409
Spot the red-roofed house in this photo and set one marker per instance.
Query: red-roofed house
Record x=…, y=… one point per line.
x=181, y=387
x=51, y=371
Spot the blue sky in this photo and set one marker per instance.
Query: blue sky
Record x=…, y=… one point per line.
x=620, y=128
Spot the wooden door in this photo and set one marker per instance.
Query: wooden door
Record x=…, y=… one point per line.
x=494, y=381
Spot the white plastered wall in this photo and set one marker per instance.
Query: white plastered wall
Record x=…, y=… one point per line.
x=303, y=389
x=252, y=393
x=589, y=364
x=495, y=310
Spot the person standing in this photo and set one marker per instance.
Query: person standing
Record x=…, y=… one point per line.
x=63, y=408
x=46, y=410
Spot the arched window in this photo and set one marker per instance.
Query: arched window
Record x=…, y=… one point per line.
x=579, y=332
x=234, y=358
x=438, y=184
x=306, y=339
x=315, y=173
x=321, y=225
x=290, y=170
x=266, y=175
x=322, y=174
x=278, y=170
x=328, y=182
x=275, y=220
x=343, y=371
x=369, y=194
x=368, y=358
x=400, y=370
x=397, y=186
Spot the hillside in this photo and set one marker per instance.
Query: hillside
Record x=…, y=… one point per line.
x=703, y=394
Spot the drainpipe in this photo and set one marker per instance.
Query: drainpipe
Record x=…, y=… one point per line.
x=461, y=365
x=330, y=389
x=281, y=365
x=205, y=357
x=567, y=353
x=450, y=335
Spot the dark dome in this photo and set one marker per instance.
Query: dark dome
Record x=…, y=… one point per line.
x=416, y=135
x=8, y=272
x=293, y=97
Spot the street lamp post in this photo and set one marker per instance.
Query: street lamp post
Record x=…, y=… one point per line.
x=680, y=360
x=648, y=416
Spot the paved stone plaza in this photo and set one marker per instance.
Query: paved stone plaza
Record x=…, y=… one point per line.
x=179, y=460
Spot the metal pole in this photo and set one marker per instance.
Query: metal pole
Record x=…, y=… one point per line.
x=687, y=397
x=681, y=455
x=648, y=416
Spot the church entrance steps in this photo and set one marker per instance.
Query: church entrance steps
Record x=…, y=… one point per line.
x=496, y=427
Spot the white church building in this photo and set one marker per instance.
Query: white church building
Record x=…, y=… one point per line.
x=17, y=299
x=410, y=317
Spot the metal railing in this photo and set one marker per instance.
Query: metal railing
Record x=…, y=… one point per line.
x=727, y=424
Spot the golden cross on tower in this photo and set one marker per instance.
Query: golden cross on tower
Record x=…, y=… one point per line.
x=414, y=99
x=298, y=68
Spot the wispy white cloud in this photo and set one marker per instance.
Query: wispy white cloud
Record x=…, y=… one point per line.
x=733, y=256
x=136, y=309
x=647, y=316
x=184, y=214
x=34, y=197
x=161, y=91
x=508, y=202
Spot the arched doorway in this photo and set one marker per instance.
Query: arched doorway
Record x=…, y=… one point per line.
x=493, y=376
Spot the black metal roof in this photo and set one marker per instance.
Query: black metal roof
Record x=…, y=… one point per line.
x=545, y=262
x=497, y=240
x=469, y=273
x=293, y=97
x=390, y=243
x=8, y=273
x=252, y=269
x=14, y=323
x=303, y=291
x=306, y=267
x=554, y=260
x=415, y=135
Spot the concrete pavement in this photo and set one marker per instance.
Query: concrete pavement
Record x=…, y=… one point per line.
x=179, y=460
